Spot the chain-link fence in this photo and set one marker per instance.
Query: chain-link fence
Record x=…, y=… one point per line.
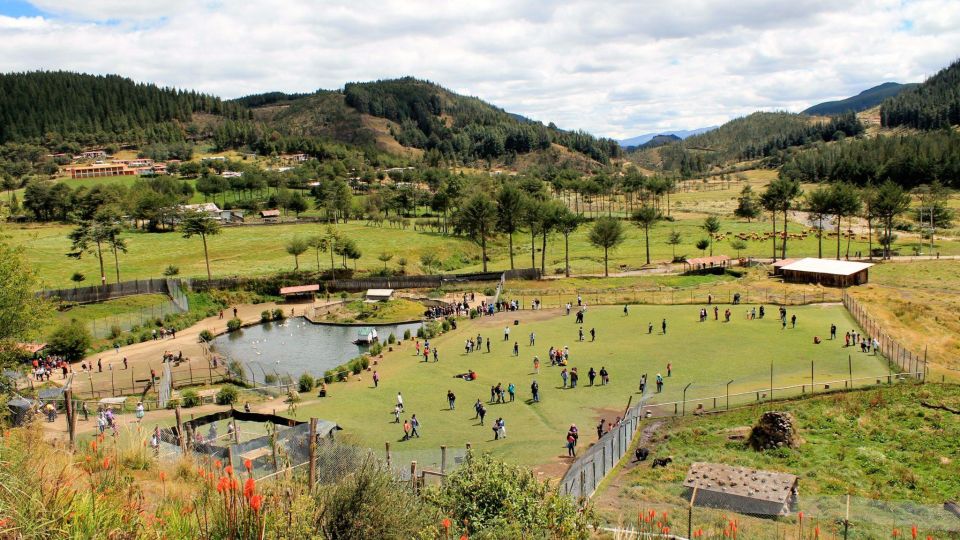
x=695, y=296
x=146, y=318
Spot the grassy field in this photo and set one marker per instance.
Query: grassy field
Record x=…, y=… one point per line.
x=874, y=444
x=918, y=303
x=705, y=354
x=110, y=309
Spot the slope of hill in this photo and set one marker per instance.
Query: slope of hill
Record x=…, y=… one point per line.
x=61, y=106
x=935, y=104
x=267, y=98
x=870, y=97
x=660, y=140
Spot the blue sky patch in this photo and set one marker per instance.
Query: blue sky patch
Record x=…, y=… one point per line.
x=18, y=8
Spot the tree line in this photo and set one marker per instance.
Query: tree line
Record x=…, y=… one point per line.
x=935, y=104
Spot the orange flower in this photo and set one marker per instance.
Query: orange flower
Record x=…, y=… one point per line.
x=106, y=462
x=446, y=523
x=248, y=488
x=816, y=532
x=913, y=531
x=234, y=485
x=93, y=445
x=896, y=532
x=666, y=530
x=248, y=465
x=464, y=537
x=229, y=470
x=801, y=516
x=163, y=476
x=256, y=502
x=223, y=484
x=4, y=522
x=218, y=464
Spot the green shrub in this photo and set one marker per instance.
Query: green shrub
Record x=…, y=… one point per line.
x=134, y=329
x=445, y=326
x=364, y=361
x=391, y=339
x=270, y=378
x=376, y=349
x=234, y=324
x=206, y=336
x=328, y=376
x=236, y=368
x=173, y=403
x=286, y=379
x=356, y=366
x=158, y=322
x=131, y=339
x=489, y=291
x=115, y=331
x=420, y=333
x=171, y=270
x=278, y=315
x=306, y=383
x=265, y=315
x=190, y=398
x=70, y=340
x=474, y=313
x=145, y=336
x=406, y=335
x=227, y=395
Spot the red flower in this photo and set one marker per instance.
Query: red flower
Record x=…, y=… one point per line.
x=913, y=531
x=464, y=537
x=106, y=463
x=218, y=464
x=223, y=484
x=256, y=502
x=249, y=488
x=801, y=516
x=229, y=470
x=93, y=445
x=248, y=464
x=446, y=523
x=163, y=476
x=896, y=532
x=816, y=532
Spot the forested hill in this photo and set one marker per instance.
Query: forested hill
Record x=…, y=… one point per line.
x=55, y=107
x=759, y=135
x=870, y=97
x=432, y=117
x=935, y=104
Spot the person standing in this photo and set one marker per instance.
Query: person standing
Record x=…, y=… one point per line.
x=536, y=365
x=591, y=375
x=793, y=321
x=563, y=375
x=400, y=401
x=663, y=326
x=580, y=334
x=125, y=366
x=659, y=383
x=600, y=428
x=506, y=333
x=512, y=390
x=451, y=400
x=533, y=339
x=571, y=444
x=376, y=379
x=535, y=390
x=604, y=376
x=481, y=412
x=140, y=411
x=650, y=327
x=625, y=311
x=593, y=334
x=396, y=414
x=669, y=369
x=516, y=348
x=833, y=331
x=435, y=357
x=414, y=427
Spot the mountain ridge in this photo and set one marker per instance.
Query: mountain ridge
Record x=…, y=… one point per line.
x=871, y=97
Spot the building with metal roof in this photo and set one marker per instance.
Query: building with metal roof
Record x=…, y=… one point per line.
x=742, y=489
x=828, y=272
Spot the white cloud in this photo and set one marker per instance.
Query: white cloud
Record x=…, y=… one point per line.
x=612, y=68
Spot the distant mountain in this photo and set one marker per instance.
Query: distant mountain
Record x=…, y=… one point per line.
x=870, y=97
x=646, y=137
x=659, y=140
x=935, y=104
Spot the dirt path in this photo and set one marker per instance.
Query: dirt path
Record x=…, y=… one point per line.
x=612, y=495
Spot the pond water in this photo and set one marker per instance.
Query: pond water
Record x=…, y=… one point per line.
x=296, y=346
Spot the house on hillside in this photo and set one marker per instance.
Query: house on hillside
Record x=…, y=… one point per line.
x=99, y=170
x=378, y=295
x=704, y=263
x=93, y=154
x=826, y=272
x=742, y=489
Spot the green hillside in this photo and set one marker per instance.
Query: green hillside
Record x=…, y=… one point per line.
x=57, y=107
x=935, y=104
x=870, y=97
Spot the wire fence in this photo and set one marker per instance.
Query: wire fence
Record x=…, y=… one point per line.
x=697, y=296
x=904, y=358
x=146, y=318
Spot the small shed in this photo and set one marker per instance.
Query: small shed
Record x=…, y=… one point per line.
x=32, y=350
x=827, y=272
x=778, y=266
x=378, y=295
x=742, y=489
x=299, y=290
x=270, y=216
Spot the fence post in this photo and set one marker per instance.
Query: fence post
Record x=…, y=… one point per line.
x=443, y=459
x=413, y=477
x=388, y=454
x=850, y=369
x=312, y=476
x=68, y=409
x=182, y=439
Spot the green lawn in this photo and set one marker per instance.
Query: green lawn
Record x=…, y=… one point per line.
x=707, y=355
x=120, y=308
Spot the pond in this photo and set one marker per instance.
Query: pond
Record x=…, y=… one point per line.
x=296, y=346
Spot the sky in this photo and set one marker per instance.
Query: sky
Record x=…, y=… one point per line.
x=616, y=68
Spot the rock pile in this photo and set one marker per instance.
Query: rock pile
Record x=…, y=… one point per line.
x=774, y=430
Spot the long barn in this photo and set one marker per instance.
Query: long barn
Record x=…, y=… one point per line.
x=827, y=272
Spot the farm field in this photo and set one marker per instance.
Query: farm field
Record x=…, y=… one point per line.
x=259, y=250
x=705, y=354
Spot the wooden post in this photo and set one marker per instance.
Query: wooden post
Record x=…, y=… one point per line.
x=388, y=454
x=413, y=477
x=190, y=367
x=113, y=389
x=68, y=408
x=273, y=448
x=693, y=497
x=443, y=459
x=182, y=437
x=850, y=369
x=313, y=454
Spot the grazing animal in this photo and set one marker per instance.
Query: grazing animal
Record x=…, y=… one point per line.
x=641, y=454
x=662, y=462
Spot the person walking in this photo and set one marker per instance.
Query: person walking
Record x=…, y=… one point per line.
x=406, y=430
x=376, y=379
x=663, y=327
x=593, y=334
x=650, y=327
x=600, y=428
x=669, y=369
x=833, y=331
x=591, y=375
x=659, y=383
x=536, y=365
x=571, y=444
x=793, y=321
x=414, y=427
x=396, y=414
x=435, y=357
x=604, y=376
x=563, y=375
x=451, y=400
x=533, y=339
x=140, y=411
x=512, y=390
x=535, y=390
x=400, y=401
x=625, y=311
x=516, y=348
x=580, y=334
x=481, y=412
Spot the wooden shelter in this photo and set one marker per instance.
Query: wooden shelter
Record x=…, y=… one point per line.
x=742, y=489
x=299, y=290
x=827, y=272
x=378, y=295
x=704, y=263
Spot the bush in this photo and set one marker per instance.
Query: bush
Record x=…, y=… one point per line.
x=376, y=349
x=489, y=291
x=190, y=398
x=328, y=376
x=115, y=331
x=278, y=315
x=356, y=366
x=227, y=395
x=445, y=326
x=270, y=378
x=234, y=324
x=236, y=368
x=265, y=315
x=406, y=335
x=474, y=313
x=131, y=339
x=391, y=339
x=420, y=333
x=171, y=270
x=173, y=404
x=70, y=340
x=364, y=361
x=206, y=336
x=306, y=383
